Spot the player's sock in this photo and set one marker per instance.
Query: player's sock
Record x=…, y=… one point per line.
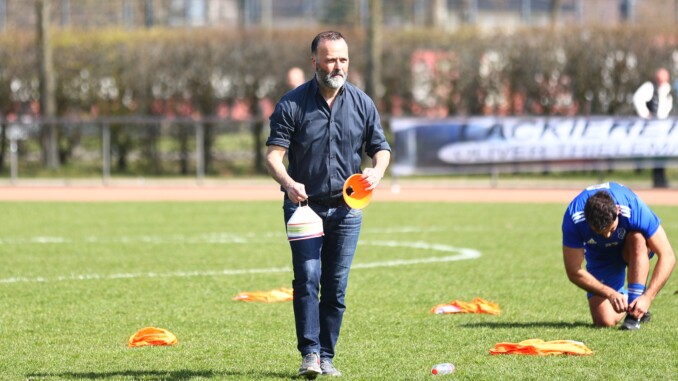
x=635, y=290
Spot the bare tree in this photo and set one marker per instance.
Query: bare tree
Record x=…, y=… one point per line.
x=373, y=81
x=3, y=14
x=468, y=11
x=526, y=11
x=49, y=135
x=439, y=13
x=555, y=12
x=148, y=13
x=266, y=19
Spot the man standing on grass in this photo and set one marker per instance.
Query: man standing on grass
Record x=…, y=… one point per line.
x=613, y=229
x=324, y=126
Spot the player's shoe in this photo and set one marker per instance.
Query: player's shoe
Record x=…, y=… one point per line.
x=310, y=366
x=328, y=368
x=630, y=323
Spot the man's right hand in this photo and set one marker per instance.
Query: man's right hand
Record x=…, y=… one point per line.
x=619, y=301
x=296, y=192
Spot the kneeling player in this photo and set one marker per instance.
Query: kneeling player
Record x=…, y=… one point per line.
x=612, y=228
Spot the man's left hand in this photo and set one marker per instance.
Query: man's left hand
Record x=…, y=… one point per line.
x=639, y=306
x=372, y=176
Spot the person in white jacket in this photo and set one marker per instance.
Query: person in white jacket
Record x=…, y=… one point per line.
x=653, y=100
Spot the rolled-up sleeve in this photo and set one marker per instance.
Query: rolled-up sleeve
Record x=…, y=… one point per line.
x=375, y=139
x=282, y=124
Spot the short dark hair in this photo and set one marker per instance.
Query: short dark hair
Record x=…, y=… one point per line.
x=325, y=36
x=600, y=210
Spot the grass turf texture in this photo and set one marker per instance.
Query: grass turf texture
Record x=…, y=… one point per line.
x=67, y=328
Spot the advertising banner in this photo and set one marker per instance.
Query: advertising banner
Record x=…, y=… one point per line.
x=515, y=144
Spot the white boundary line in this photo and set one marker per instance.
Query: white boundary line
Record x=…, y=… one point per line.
x=460, y=254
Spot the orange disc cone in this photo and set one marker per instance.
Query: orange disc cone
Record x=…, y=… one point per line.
x=355, y=194
x=151, y=336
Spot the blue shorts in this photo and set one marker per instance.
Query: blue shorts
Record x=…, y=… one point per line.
x=609, y=269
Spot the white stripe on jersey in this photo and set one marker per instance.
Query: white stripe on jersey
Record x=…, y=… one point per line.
x=599, y=186
x=625, y=211
x=578, y=217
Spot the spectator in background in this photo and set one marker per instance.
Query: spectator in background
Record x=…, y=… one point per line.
x=295, y=77
x=653, y=99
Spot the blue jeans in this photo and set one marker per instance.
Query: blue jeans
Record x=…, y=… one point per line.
x=321, y=267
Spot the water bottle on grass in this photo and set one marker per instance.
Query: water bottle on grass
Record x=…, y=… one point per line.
x=444, y=368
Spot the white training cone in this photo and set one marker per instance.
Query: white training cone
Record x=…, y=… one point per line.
x=304, y=224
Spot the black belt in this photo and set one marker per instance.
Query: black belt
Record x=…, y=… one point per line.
x=333, y=202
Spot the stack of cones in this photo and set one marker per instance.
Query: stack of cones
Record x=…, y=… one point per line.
x=304, y=224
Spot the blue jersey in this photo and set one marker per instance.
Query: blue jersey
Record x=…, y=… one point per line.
x=634, y=215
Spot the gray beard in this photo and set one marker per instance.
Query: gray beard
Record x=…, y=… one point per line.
x=333, y=82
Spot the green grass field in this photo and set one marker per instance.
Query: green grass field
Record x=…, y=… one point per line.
x=77, y=279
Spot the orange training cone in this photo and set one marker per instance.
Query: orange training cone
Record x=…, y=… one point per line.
x=151, y=336
x=355, y=194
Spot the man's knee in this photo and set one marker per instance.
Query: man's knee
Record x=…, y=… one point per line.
x=635, y=245
x=602, y=313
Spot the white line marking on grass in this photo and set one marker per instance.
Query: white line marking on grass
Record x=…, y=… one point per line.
x=403, y=230
x=202, y=238
x=176, y=274
x=216, y=237
x=418, y=245
x=462, y=254
x=31, y=240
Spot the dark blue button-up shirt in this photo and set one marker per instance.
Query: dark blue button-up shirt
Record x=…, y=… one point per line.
x=325, y=146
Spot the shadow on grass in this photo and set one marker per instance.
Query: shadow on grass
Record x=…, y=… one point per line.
x=155, y=375
x=532, y=324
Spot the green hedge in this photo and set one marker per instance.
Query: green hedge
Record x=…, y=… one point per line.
x=190, y=73
x=122, y=72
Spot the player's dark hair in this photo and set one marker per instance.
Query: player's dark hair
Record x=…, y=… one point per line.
x=600, y=210
x=325, y=36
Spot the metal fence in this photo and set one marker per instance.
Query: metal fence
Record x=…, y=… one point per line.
x=133, y=146
x=155, y=147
